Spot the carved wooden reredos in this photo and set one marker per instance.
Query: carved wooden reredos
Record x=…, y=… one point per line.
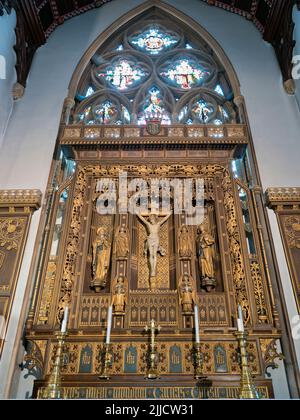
x=155, y=99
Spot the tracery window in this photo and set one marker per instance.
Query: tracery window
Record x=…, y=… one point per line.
x=154, y=72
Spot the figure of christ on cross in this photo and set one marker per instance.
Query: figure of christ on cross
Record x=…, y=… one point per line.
x=152, y=245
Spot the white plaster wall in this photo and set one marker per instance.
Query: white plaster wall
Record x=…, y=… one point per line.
x=7, y=70
x=26, y=154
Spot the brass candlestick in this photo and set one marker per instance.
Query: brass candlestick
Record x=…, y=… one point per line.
x=198, y=362
x=153, y=370
x=107, y=362
x=203, y=380
x=247, y=387
x=54, y=390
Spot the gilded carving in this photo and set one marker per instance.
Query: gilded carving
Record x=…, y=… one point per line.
x=162, y=307
x=206, y=256
x=187, y=296
x=259, y=293
x=270, y=353
x=239, y=276
x=34, y=360
x=119, y=298
x=73, y=353
x=292, y=230
x=2, y=259
x=285, y=202
x=47, y=296
x=11, y=232
x=93, y=310
x=185, y=243
x=212, y=309
x=155, y=392
x=162, y=264
x=101, y=259
x=72, y=246
x=121, y=243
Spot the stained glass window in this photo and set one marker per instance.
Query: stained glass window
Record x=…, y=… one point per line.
x=154, y=108
x=106, y=112
x=123, y=74
x=154, y=40
x=185, y=73
x=87, y=116
x=219, y=90
x=154, y=70
x=202, y=110
x=89, y=92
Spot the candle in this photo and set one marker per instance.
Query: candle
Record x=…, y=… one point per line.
x=240, y=320
x=65, y=320
x=196, y=315
x=2, y=323
x=109, y=322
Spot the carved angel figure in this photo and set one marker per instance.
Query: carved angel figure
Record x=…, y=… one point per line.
x=187, y=295
x=119, y=299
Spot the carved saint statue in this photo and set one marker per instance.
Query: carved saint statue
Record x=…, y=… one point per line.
x=186, y=294
x=119, y=299
x=152, y=245
x=101, y=259
x=184, y=242
x=121, y=244
x=206, y=255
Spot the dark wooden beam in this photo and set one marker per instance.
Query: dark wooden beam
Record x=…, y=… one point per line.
x=5, y=6
x=279, y=32
x=29, y=37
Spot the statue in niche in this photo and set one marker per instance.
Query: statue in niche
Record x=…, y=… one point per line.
x=187, y=295
x=152, y=246
x=121, y=244
x=100, y=260
x=206, y=255
x=184, y=242
x=119, y=299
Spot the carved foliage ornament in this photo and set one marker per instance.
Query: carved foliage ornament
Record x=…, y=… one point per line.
x=270, y=354
x=292, y=230
x=11, y=232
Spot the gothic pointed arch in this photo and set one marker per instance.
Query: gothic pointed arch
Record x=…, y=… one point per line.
x=155, y=45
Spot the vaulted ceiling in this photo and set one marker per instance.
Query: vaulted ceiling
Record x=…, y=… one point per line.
x=37, y=19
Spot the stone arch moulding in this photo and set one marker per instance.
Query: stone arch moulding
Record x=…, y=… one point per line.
x=132, y=14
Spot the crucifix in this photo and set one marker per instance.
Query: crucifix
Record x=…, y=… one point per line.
x=153, y=358
x=152, y=243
